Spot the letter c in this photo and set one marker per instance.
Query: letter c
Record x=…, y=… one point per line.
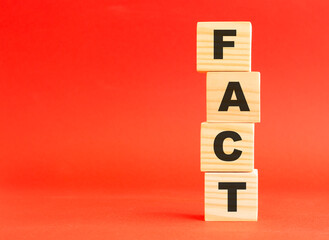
x=218, y=146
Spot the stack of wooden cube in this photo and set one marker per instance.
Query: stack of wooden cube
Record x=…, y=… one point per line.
x=233, y=106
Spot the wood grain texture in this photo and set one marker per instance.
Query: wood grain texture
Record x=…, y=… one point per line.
x=211, y=163
x=217, y=83
x=235, y=59
x=216, y=199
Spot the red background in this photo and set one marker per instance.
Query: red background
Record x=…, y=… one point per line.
x=101, y=108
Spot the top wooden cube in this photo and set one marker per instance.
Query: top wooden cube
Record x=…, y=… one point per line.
x=224, y=47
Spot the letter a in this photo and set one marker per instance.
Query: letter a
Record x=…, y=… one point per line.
x=240, y=99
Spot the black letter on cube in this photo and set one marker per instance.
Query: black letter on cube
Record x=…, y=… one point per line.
x=218, y=146
x=240, y=99
x=219, y=44
x=232, y=188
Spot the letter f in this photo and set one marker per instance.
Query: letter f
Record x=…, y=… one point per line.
x=219, y=44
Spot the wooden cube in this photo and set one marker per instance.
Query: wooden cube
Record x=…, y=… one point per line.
x=223, y=46
x=227, y=147
x=231, y=196
x=233, y=97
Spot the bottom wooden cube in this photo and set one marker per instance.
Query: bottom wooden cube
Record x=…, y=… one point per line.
x=231, y=196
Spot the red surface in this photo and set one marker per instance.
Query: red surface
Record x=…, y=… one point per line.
x=101, y=108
